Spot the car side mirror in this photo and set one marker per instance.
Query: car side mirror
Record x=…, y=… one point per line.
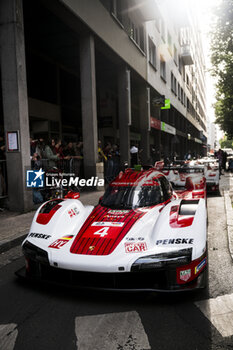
x=72, y=195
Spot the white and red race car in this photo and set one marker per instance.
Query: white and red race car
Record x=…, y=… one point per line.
x=142, y=236
x=199, y=171
x=211, y=172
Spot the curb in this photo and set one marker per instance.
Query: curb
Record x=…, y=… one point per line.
x=229, y=215
x=7, y=245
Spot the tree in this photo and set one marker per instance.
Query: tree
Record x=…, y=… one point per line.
x=222, y=61
x=224, y=143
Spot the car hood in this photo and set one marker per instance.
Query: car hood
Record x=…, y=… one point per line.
x=104, y=229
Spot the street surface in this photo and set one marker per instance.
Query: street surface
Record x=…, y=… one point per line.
x=49, y=317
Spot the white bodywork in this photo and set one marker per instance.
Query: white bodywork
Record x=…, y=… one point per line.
x=153, y=231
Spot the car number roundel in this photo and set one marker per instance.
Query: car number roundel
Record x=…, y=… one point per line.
x=103, y=229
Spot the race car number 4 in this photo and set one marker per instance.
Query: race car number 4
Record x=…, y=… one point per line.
x=102, y=232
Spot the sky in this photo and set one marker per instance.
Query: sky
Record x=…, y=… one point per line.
x=204, y=9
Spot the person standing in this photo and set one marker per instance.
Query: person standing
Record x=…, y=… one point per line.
x=102, y=157
x=134, y=155
x=50, y=154
x=220, y=160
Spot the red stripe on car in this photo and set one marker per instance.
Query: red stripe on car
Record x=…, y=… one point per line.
x=89, y=241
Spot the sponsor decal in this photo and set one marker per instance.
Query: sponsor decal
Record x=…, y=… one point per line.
x=118, y=212
x=185, y=275
x=175, y=241
x=91, y=248
x=200, y=266
x=108, y=223
x=135, y=247
x=113, y=217
x=35, y=179
x=134, y=239
x=68, y=237
x=39, y=235
x=59, y=243
x=73, y=212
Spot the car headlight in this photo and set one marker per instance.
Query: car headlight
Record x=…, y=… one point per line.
x=179, y=257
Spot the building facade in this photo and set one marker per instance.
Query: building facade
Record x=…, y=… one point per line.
x=212, y=138
x=100, y=70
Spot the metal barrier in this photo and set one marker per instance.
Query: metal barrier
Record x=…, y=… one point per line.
x=68, y=166
x=61, y=169
x=71, y=166
x=3, y=179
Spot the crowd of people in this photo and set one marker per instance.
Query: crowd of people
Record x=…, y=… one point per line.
x=55, y=153
x=68, y=157
x=110, y=156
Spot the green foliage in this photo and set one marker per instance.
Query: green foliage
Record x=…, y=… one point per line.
x=226, y=143
x=222, y=61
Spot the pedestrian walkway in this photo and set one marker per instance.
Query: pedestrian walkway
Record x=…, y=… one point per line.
x=14, y=226
x=227, y=190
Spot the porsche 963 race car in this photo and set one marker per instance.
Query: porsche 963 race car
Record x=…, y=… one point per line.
x=142, y=236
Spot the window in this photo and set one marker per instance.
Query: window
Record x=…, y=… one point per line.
x=184, y=99
x=136, y=33
x=175, y=55
x=173, y=83
x=169, y=41
x=141, y=42
x=175, y=86
x=117, y=9
x=152, y=53
x=180, y=64
x=133, y=31
x=162, y=68
x=178, y=91
x=183, y=72
x=187, y=81
x=182, y=95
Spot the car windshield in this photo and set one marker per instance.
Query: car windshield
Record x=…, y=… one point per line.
x=190, y=170
x=131, y=197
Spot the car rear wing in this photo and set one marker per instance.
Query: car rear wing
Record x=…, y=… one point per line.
x=185, y=169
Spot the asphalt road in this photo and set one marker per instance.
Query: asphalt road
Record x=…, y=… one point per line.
x=44, y=317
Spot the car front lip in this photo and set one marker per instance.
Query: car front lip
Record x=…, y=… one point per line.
x=120, y=282
x=158, y=279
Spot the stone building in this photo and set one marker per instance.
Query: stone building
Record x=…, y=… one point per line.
x=99, y=70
